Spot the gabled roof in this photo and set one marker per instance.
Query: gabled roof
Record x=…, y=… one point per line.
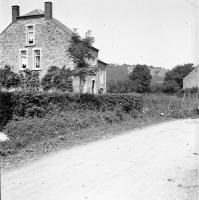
x=62, y=26
x=34, y=12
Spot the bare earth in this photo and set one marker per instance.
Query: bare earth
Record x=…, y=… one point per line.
x=155, y=163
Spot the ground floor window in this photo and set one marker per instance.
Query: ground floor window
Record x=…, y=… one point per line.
x=23, y=59
x=37, y=58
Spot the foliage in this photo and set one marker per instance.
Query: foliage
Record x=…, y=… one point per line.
x=192, y=90
x=156, y=88
x=30, y=133
x=80, y=52
x=171, y=86
x=118, y=86
x=39, y=104
x=140, y=78
x=30, y=80
x=57, y=79
x=5, y=108
x=173, y=80
x=169, y=106
x=8, y=79
x=118, y=72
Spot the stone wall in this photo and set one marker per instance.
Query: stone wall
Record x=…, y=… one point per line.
x=52, y=40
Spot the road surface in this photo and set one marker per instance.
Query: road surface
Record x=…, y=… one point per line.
x=154, y=163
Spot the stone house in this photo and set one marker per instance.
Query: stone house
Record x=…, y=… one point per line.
x=37, y=41
x=192, y=79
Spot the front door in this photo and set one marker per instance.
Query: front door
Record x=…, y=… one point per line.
x=93, y=86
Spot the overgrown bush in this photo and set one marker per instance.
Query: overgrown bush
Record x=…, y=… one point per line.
x=156, y=88
x=8, y=79
x=38, y=104
x=57, y=79
x=5, y=108
x=32, y=130
x=29, y=80
x=192, y=90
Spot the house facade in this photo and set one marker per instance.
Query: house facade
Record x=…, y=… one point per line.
x=37, y=41
x=192, y=79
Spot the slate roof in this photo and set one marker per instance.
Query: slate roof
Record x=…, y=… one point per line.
x=33, y=12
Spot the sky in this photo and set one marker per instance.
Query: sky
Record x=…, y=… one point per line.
x=161, y=33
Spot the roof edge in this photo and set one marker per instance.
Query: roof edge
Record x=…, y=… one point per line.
x=95, y=49
x=5, y=28
x=102, y=62
x=30, y=16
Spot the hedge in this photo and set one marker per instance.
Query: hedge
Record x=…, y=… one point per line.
x=6, y=108
x=28, y=104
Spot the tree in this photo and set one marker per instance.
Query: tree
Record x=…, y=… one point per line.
x=170, y=86
x=8, y=79
x=80, y=52
x=57, y=78
x=173, y=80
x=29, y=80
x=140, y=78
x=118, y=86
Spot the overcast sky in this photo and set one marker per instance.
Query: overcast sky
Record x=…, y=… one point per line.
x=161, y=33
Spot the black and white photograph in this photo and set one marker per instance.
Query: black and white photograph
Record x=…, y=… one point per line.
x=99, y=100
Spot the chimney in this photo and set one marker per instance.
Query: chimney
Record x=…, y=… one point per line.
x=48, y=12
x=15, y=13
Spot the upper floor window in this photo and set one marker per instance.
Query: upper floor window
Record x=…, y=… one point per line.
x=23, y=60
x=37, y=58
x=30, y=35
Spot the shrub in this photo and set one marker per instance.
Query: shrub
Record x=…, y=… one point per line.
x=8, y=79
x=29, y=80
x=173, y=81
x=38, y=104
x=6, y=108
x=192, y=90
x=156, y=88
x=57, y=79
x=120, y=86
x=32, y=130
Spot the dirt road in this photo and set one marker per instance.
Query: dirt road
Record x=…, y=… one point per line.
x=155, y=163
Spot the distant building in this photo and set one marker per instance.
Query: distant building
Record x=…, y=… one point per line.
x=192, y=79
x=37, y=41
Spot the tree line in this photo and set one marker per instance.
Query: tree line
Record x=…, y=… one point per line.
x=139, y=81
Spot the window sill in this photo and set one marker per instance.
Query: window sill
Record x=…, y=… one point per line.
x=36, y=69
x=30, y=45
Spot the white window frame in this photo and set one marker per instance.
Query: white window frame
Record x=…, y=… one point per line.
x=20, y=63
x=27, y=33
x=34, y=60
